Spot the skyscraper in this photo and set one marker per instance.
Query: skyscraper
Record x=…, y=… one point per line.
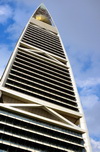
x=40, y=110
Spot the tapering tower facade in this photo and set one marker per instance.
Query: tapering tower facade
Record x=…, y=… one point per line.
x=40, y=110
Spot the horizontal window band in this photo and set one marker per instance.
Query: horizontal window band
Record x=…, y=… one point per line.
x=36, y=93
x=44, y=68
x=26, y=131
x=44, y=44
x=42, y=83
x=41, y=46
x=45, y=88
x=44, y=32
x=16, y=139
x=45, y=93
x=40, y=80
x=44, y=37
x=38, y=124
x=42, y=72
x=31, y=32
x=7, y=146
x=48, y=79
x=41, y=62
x=34, y=34
x=50, y=63
x=35, y=143
x=55, y=47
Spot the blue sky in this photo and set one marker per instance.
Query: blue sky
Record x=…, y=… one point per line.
x=78, y=23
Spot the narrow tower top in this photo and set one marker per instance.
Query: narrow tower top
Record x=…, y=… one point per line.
x=42, y=14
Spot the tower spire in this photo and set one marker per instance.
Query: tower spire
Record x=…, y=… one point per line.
x=42, y=14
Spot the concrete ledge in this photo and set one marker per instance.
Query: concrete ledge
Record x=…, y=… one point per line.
x=44, y=25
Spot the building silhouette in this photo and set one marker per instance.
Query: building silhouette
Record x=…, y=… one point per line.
x=40, y=110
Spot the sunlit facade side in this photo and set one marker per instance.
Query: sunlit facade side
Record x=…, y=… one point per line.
x=40, y=110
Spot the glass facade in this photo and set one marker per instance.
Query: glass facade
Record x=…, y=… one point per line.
x=17, y=129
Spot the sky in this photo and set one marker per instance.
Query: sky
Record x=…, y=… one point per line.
x=78, y=23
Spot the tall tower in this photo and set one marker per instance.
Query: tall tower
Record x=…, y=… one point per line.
x=40, y=110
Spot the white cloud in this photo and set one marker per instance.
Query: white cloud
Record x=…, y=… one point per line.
x=19, y=2
x=95, y=145
x=6, y=12
x=88, y=82
x=91, y=105
x=90, y=98
x=22, y=10
x=25, y=2
x=13, y=31
x=20, y=18
x=89, y=101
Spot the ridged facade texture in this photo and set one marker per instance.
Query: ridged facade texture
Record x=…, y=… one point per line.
x=40, y=110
